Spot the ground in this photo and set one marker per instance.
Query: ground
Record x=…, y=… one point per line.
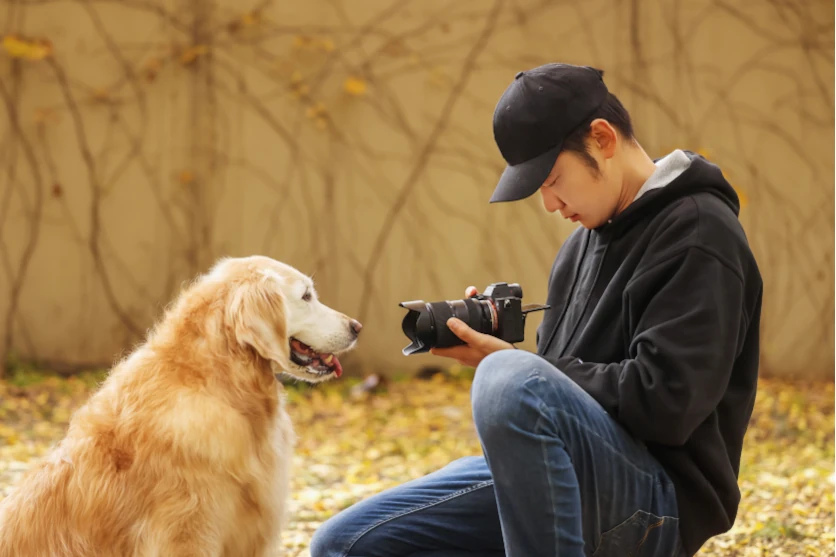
x=356, y=440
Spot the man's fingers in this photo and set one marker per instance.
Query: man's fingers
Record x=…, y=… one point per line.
x=464, y=332
x=470, y=291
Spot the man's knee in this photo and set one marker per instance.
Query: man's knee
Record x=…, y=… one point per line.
x=319, y=544
x=501, y=395
x=326, y=541
x=503, y=370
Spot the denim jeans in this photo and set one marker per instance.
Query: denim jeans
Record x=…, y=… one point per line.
x=559, y=477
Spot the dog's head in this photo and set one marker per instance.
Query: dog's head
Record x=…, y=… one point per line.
x=274, y=310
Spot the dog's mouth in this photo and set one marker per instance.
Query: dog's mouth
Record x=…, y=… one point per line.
x=317, y=363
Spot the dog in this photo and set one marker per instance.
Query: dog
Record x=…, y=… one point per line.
x=185, y=449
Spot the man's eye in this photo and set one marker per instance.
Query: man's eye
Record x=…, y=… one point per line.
x=307, y=296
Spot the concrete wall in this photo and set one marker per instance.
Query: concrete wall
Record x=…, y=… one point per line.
x=353, y=140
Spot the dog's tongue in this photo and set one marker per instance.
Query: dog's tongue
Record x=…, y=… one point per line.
x=338, y=369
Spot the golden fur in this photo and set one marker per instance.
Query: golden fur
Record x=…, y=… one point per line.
x=185, y=450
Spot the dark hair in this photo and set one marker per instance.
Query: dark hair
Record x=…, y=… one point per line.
x=613, y=112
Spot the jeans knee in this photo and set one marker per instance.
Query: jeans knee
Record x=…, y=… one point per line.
x=499, y=396
x=324, y=542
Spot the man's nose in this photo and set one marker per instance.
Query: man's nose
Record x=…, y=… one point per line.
x=552, y=203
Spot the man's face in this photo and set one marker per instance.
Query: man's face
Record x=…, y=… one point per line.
x=579, y=193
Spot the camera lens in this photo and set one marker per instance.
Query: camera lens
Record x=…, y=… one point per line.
x=425, y=324
x=476, y=313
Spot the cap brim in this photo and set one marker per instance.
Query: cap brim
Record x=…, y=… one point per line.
x=524, y=179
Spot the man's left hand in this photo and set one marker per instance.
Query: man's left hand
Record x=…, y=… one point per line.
x=478, y=345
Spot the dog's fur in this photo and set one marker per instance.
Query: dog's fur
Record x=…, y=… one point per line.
x=185, y=450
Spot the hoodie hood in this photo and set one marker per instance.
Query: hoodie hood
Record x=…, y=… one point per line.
x=701, y=176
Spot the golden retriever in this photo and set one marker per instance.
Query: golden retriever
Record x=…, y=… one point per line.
x=185, y=450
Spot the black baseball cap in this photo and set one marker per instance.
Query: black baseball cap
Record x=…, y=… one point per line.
x=535, y=114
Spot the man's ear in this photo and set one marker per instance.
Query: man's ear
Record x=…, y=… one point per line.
x=604, y=137
x=258, y=316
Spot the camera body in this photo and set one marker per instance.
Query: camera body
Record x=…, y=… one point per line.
x=498, y=311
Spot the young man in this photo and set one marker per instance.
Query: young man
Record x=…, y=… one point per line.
x=623, y=434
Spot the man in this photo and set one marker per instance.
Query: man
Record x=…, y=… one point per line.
x=622, y=435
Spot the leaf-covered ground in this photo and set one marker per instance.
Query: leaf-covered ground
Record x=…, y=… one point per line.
x=355, y=441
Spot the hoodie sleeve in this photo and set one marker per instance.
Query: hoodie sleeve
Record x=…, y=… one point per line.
x=687, y=315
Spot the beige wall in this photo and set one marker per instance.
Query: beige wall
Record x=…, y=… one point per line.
x=257, y=147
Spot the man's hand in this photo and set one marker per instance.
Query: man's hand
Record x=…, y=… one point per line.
x=478, y=345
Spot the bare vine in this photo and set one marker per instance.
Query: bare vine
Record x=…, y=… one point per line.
x=354, y=176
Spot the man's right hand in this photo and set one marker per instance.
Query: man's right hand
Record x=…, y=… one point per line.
x=477, y=345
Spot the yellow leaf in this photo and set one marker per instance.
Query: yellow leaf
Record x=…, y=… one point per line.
x=315, y=110
x=193, y=52
x=18, y=47
x=152, y=64
x=327, y=45
x=355, y=86
x=61, y=415
x=744, y=199
x=301, y=41
x=186, y=177
x=300, y=90
x=10, y=436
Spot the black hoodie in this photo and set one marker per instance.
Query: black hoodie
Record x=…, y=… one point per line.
x=656, y=315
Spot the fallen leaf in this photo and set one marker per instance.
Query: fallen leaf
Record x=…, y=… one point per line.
x=741, y=194
x=29, y=49
x=355, y=86
x=185, y=177
x=351, y=447
x=193, y=53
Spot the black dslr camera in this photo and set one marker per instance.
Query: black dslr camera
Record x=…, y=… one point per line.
x=497, y=312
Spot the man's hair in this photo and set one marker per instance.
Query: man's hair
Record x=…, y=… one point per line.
x=613, y=112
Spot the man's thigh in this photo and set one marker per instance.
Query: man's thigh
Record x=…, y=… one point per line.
x=452, y=508
x=627, y=500
x=624, y=491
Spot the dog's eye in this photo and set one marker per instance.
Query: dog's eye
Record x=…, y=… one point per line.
x=307, y=296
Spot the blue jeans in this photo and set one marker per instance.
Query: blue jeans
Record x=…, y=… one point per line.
x=559, y=478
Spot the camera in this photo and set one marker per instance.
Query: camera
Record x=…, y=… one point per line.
x=497, y=312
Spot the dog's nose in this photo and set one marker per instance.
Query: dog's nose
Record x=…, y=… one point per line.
x=355, y=326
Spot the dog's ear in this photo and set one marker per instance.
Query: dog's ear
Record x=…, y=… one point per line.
x=258, y=315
